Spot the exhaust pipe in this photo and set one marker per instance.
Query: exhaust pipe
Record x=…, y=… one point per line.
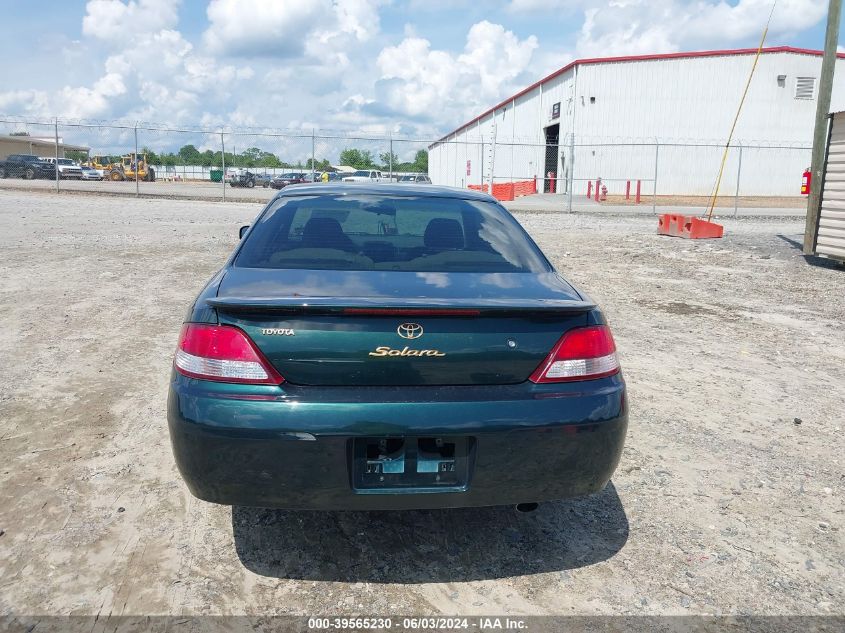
x=525, y=508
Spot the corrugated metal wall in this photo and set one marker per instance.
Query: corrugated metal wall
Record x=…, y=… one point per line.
x=621, y=111
x=831, y=235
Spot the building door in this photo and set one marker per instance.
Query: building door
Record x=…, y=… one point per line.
x=550, y=185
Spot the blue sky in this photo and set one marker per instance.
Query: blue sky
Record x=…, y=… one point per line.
x=416, y=67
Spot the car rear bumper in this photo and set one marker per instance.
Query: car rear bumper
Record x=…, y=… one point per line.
x=295, y=450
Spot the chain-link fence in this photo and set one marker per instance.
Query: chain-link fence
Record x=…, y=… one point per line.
x=143, y=158
x=619, y=170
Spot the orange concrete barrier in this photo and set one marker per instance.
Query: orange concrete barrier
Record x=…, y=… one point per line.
x=503, y=191
x=524, y=188
x=688, y=226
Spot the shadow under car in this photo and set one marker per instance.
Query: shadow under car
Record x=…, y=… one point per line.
x=423, y=546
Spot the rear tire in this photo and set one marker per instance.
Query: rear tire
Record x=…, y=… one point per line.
x=250, y=184
x=2, y=172
x=29, y=174
x=115, y=176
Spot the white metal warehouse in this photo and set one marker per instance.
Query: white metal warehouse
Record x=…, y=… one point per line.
x=659, y=119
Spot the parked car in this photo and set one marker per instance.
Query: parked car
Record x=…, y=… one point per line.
x=240, y=177
x=313, y=177
x=364, y=175
x=284, y=180
x=421, y=178
x=408, y=346
x=67, y=167
x=89, y=173
x=26, y=166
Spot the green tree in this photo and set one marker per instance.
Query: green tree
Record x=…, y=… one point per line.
x=421, y=161
x=350, y=157
x=359, y=159
x=319, y=165
x=388, y=159
x=268, y=159
x=190, y=155
x=152, y=157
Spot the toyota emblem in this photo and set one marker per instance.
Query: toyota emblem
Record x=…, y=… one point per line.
x=410, y=330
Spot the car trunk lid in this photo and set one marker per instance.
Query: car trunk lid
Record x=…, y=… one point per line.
x=361, y=328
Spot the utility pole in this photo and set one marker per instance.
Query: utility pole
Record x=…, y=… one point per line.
x=57, y=154
x=136, y=161
x=223, y=159
x=313, y=133
x=820, y=132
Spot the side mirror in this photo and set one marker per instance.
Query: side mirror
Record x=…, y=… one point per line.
x=242, y=231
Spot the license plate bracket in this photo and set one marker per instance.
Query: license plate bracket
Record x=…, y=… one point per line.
x=411, y=464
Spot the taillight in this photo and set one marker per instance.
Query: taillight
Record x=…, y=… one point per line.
x=581, y=354
x=224, y=354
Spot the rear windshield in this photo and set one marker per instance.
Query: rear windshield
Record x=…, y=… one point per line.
x=371, y=232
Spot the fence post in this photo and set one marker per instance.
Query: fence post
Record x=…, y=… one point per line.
x=481, y=165
x=313, y=133
x=738, y=174
x=571, y=174
x=492, y=157
x=390, y=157
x=57, y=154
x=654, y=182
x=136, y=161
x=223, y=162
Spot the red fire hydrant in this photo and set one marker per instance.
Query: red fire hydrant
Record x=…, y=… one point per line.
x=603, y=193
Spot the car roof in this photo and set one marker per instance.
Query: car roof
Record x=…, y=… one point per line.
x=384, y=189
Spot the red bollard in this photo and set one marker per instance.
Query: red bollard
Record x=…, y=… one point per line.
x=638, y=192
x=628, y=190
x=598, y=186
x=589, y=189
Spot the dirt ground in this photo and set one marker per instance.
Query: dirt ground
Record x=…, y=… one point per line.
x=728, y=499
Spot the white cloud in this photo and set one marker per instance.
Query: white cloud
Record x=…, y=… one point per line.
x=629, y=27
x=24, y=102
x=261, y=28
x=418, y=81
x=92, y=102
x=269, y=28
x=152, y=72
x=113, y=20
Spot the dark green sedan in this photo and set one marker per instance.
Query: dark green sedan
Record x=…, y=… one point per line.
x=372, y=347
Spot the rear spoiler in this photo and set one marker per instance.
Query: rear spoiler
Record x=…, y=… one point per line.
x=405, y=306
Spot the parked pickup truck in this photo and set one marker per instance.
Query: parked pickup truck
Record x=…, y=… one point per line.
x=26, y=166
x=238, y=177
x=67, y=168
x=365, y=175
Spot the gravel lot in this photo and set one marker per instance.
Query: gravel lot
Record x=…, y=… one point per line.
x=728, y=499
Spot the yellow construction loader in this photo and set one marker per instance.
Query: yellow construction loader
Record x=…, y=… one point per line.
x=119, y=168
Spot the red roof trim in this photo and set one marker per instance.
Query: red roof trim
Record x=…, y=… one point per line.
x=635, y=58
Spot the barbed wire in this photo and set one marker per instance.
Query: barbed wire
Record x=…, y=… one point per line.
x=363, y=135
